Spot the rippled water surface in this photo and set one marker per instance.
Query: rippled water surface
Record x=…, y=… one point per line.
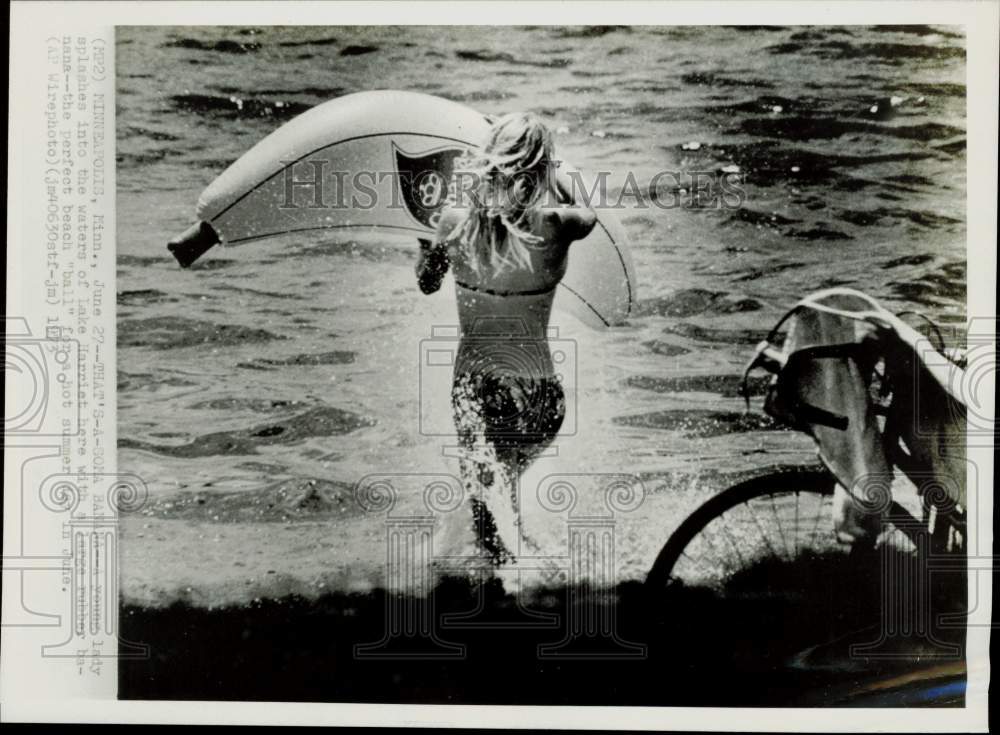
x=285, y=362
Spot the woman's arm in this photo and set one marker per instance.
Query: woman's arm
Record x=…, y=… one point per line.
x=432, y=263
x=576, y=216
x=565, y=189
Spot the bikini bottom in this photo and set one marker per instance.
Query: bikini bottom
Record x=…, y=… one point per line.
x=504, y=422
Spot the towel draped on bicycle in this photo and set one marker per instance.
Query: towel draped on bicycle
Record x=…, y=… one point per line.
x=876, y=395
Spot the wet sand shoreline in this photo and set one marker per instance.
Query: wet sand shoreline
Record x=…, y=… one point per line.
x=682, y=648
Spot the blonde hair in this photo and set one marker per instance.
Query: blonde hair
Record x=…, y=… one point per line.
x=509, y=176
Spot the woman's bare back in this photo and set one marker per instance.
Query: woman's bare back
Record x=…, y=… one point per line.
x=488, y=303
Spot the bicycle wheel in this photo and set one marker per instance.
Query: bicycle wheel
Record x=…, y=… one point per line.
x=753, y=529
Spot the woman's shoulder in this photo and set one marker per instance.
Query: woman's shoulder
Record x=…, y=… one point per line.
x=572, y=223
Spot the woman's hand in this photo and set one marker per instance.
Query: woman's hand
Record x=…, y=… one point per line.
x=432, y=264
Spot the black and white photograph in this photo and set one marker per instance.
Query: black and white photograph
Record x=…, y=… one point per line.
x=555, y=365
x=573, y=370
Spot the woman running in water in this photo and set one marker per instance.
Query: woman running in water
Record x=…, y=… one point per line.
x=506, y=238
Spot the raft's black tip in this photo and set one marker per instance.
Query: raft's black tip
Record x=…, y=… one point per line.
x=194, y=242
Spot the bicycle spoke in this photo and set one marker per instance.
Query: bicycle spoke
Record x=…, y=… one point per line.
x=694, y=563
x=708, y=540
x=732, y=543
x=815, y=528
x=717, y=566
x=795, y=539
x=781, y=531
x=760, y=528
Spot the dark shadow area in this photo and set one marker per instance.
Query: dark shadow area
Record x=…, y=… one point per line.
x=778, y=634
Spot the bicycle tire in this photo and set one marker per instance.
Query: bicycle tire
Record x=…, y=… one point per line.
x=809, y=481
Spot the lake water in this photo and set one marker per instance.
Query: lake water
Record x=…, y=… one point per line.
x=270, y=366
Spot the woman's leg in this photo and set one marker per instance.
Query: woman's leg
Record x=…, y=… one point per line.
x=487, y=477
x=538, y=429
x=503, y=424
